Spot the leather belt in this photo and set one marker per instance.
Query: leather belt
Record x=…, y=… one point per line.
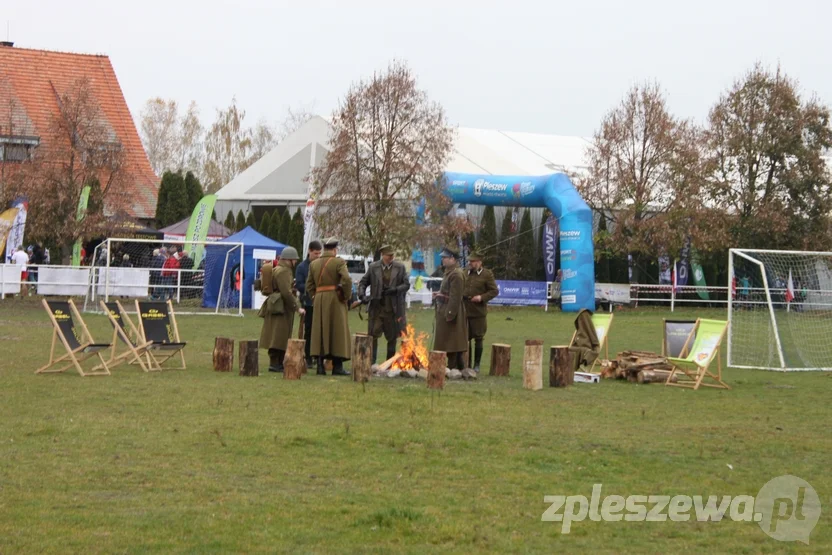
x=325, y=288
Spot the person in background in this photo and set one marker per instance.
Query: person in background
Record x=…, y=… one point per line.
x=170, y=271
x=21, y=260
x=313, y=252
x=125, y=261
x=186, y=263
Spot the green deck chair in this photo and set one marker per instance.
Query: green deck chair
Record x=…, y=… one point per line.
x=602, y=322
x=706, y=338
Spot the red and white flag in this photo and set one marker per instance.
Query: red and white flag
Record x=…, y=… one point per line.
x=790, y=288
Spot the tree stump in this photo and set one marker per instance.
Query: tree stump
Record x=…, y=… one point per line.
x=500, y=359
x=362, y=357
x=437, y=362
x=294, y=363
x=561, y=373
x=223, y=354
x=249, y=361
x=533, y=364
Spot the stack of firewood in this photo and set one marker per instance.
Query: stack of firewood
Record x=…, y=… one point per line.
x=637, y=367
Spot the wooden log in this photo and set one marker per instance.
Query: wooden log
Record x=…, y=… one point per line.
x=249, y=361
x=533, y=364
x=362, y=357
x=223, y=354
x=561, y=373
x=294, y=362
x=389, y=362
x=500, y=359
x=437, y=362
x=655, y=376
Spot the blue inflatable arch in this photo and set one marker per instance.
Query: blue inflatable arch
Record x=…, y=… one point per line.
x=555, y=192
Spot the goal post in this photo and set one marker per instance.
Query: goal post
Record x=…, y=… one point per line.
x=780, y=310
x=199, y=277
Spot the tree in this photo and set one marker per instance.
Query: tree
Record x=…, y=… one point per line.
x=488, y=238
x=265, y=223
x=172, y=204
x=230, y=222
x=274, y=227
x=240, y=222
x=285, y=227
x=525, y=248
x=227, y=147
x=505, y=250
x=765, y=153
x=190, y=150
x=262, y=141
x=159, y=133
x=388, y=147
x=193, y=188
x=645, y=178
x=296, y=233
x=294, y=120
x=251, y=221
x=81, y=149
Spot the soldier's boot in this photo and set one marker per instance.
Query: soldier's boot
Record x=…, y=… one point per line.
x=460, y=361
x=338, y=367
x=375, y=349
x=391, y=349
x=276, y=360
x=309, y=363
x=321, y=371
x=477, y=355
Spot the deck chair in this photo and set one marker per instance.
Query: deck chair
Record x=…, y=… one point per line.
x=675, y=335
x=125, y=330
x=706, y=338
x=157, y=325
x=602, y=322
x=76, y=339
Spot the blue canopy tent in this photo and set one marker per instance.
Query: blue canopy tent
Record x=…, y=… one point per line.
x=215, y=265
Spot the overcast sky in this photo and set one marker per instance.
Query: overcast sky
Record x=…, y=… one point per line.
x=548, y=67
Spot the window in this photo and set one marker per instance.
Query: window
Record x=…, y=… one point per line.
x=17, y=148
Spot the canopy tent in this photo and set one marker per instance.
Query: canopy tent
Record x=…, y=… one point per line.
x=122, y=227
x=215, y=266
x=177, y=231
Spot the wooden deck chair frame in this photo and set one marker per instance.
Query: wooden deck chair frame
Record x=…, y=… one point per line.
x=87, y=347
x=156, y=353
x=696, y=376
x=135, y=350
x=665, y=321
x=604, y=344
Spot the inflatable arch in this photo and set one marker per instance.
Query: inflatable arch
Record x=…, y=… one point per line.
x=556, y=193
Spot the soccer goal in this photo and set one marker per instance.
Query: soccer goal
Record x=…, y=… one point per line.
x=199, y=277
x=780, y=310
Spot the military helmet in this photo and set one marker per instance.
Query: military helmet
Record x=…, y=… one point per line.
x=289, y=253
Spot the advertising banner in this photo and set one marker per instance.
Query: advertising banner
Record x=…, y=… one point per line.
x=79, y=216
x=14, y=238
x=199, y=224
x=550, y=240
x=520, y=293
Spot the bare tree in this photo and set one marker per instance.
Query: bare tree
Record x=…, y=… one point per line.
x=388, y=148
x=191, y=153
x=644, y=177
x=294, y=120
x=160, y=133
x=262, y=141
x=228, y=147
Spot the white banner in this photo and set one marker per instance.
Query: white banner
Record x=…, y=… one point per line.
x=15, y=238
x=125, y=282
x=308, y=226
x=66, y=281
x=10, y=279
x=613, y=292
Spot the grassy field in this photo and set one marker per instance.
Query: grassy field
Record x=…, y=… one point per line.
x=196, y=461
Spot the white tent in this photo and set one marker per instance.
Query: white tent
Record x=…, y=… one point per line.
x=279, y=178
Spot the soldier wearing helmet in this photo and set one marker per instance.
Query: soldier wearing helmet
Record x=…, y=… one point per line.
x=278, y=312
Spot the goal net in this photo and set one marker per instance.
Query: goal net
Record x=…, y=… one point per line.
x=780, y=310
x=199, y=277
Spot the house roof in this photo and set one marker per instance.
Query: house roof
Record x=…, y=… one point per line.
x=280, y=174
x=32, y=80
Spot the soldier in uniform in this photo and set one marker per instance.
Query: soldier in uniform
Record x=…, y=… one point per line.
x=388, y=282
x=451, y=333
x=330, y=286
x=480, y=287
x=278, y=311
x=301, y=275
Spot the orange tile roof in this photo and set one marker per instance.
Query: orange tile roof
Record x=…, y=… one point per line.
x=32, y=77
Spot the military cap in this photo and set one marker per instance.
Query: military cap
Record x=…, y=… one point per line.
x=475, y=257
x=386, y=249
x=448, y=252
x=330, y=242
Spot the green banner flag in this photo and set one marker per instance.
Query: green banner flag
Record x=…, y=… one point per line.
x=79, y=217
x=699, y=276
x=199, y=225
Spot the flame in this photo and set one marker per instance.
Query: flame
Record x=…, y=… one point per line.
x=414, y=354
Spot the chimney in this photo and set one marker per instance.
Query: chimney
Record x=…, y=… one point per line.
x=6, y=43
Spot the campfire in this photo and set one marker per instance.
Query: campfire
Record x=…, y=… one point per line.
x=413, y=354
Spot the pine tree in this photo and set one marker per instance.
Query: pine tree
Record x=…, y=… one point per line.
x=274, y=226
x=505, y=254
x=230, y=223
x=251, y=221
x=172, y=200
x=240, y=223
x=296, y=235
x=525, y=248
x=285, y=227
x=193, y=188
x=488, y=238
x=265, y=224
x=540, y=266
